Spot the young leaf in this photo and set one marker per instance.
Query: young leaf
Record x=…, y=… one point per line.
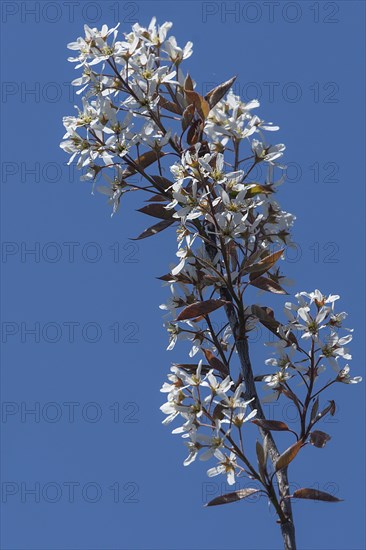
x=162, y=184
x=218, y=412
x=169, y=278
x=261, y=460
x=194, y=132
x=187, y=118
x=258, y=189
x=319, y=439
x=271, y=425
x=215, y=362
x=288, y=456
x=264, y=283
x=260, y=377
x=214, y=95
x=192, y=367
x=331, y=408
x=157, y=211
x=266, y=317
x=157, y=198
x=266, y=447
x=188, y=83
x=170, y=106
x=143, y=161
x=291, y=395
x=314, y=410
x=314, y=494
x=154, y=229
x=232, y=497
x=201, y=105
x=264, y=264
x=200, y=308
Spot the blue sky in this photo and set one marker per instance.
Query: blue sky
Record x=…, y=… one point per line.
x=104, y=473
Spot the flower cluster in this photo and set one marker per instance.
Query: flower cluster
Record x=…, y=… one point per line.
x=143, y=126
x=121, y=81
x=213, y=414
x=317, y=323
x=231, y=119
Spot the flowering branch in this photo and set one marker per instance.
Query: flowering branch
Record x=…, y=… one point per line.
x=140, y=113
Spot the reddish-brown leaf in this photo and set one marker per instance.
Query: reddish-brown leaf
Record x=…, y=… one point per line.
x=215, y=362
x=143, y=161
x=162, y=183
x=314, y=410
x=331, y=408
x=188, y=83
x=173, y=278
x=193, y=133
x=192, y=367
x=261, y=459
x=272, y=425
x=288, y=456
x=264, y=264
x=202, y=106
x=157, y=198
x=170, y=106
x=200, y=308
x=232, y=497
x=217, y=93
x=260, y=377
x=319, y=439
x=264, y=283
x=266, y=317
x=218, y=412
x=187, y=118
x=291, y=395
x=157, y=210
x=154, y=229
x=314, y=494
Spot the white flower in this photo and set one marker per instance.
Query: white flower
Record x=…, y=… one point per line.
x=227, y=465
x=267, y=154
x=216, y=387
x=188, y=426
x=238, y=418
x=193, y=203
x=319, y=298
x=175, y=53
x=333, y=349
x=193, y=447
x=234, y=400
x=177, y=333
x=195, y=379
x=312, y=326
x=170, y=409
x=336, y=320
x=185, y=254
x=175, y=385
x=344, y=377
x=175, y=301
x=231, y=225
x=199, y=441
x=231, y=118
x=154, y=35
x=93, y=48
x=278, y=379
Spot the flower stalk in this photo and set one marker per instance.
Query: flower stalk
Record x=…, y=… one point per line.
x=231, y=237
